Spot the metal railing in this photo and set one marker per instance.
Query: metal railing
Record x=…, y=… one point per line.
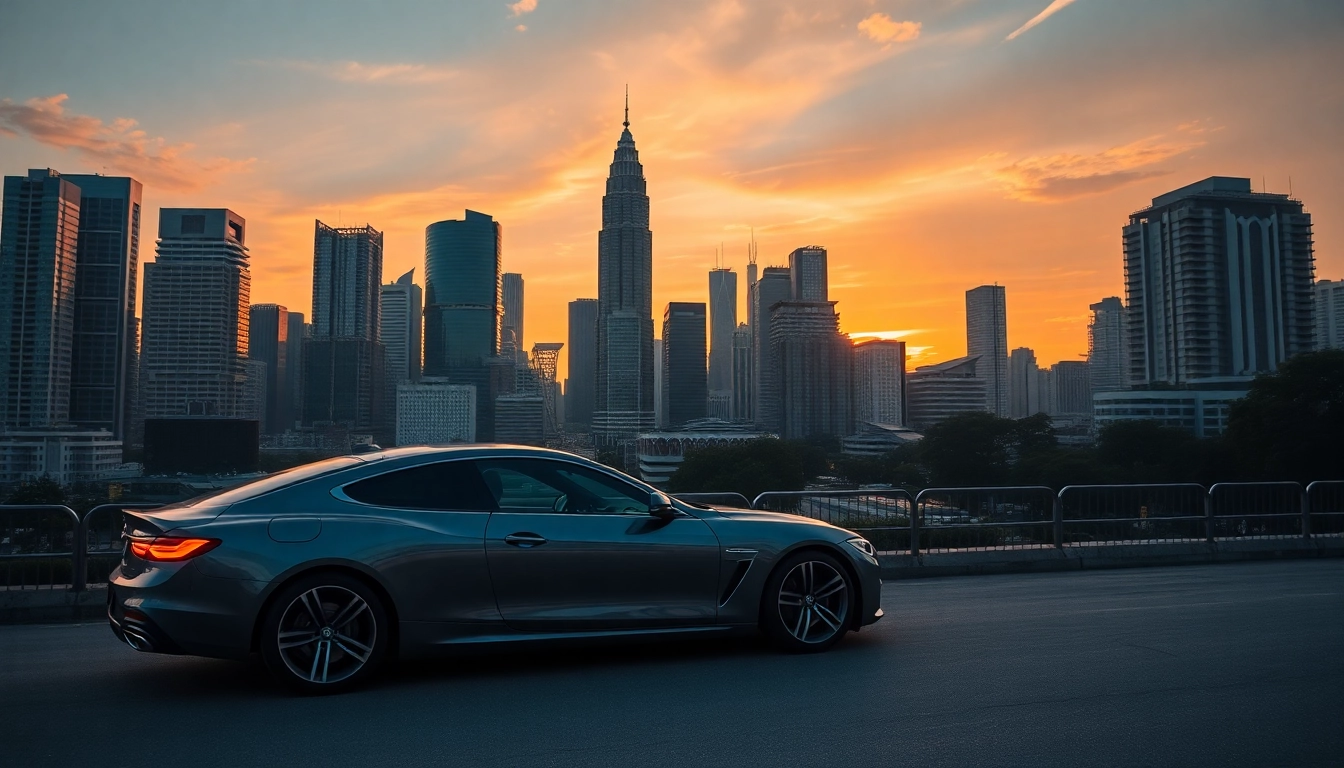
x=49, y=546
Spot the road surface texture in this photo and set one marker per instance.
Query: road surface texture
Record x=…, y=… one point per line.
x=1217, y=665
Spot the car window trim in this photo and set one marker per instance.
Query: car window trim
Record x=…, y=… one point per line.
x=339, y=491
x=599, y=469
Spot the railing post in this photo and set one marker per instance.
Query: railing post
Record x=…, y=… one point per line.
x=1058, y=515
x=79, y=555
x=1306, y=512
x=1208, y=514
x=914, y=525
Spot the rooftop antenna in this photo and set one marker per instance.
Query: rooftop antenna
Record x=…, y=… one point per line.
x=627, y=106
x=1290, y=186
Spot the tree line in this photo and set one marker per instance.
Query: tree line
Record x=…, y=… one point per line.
x=1289, y=426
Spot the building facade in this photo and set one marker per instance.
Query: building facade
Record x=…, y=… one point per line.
x=722, y=326
x=434, y=412
x=193, y=350
x=661, y=453
x=511, y=321
x=65, y=455
x=773, y=287
x=624, y=397
x=685, y=387
x=1199, y=407
x=463, y=307
x=1107, y=358
x=1329, y=314
x=744, y=376
x=581, y=360
x=807, y=271
x=1024, y=384
x=812, y=362
x=1218, y=283
x=1070, y=391
x=987, y=339
x=879, y=384
x=399, y=328
x=936, y=392
x=268, y=342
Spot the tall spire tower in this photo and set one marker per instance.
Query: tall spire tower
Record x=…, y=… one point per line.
x=624, y=404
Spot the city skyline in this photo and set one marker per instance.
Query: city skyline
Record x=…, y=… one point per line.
x=882, y=190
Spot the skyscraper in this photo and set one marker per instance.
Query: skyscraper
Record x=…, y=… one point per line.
x=511, y=325
x=807, y=268
x=582, y=361
x=773, y=287
x=1070, y=391
x=945, y=389
x=462, y=308
x=194, y=336
x=105, y=289
x=39, y=239
x=722, y=325
x=659, y=401
x=743, y=375
x=812, y=362
x=684, y=378
x=1024, y=384
x=268, y=342
x=624, y=404
x=987, y=339
x=1329, y=314
x=344, y=375
x=879, y=383
x=399, y=329
x=1218, y=282
x=293, y=402
x=1106, y=356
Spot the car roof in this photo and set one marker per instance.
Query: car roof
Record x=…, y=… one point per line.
x=466, y=450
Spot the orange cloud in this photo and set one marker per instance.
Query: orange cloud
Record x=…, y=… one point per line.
x=880, y=28
x=357, y=72
x=1050, y=10
x=1065, y=176
x=521, y=7
x=119, y=146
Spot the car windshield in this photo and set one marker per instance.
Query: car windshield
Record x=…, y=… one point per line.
x=272, y=482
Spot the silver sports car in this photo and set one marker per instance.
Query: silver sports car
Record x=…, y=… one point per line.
x=328, y=569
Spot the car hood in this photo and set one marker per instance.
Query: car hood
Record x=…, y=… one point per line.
x=758, y=515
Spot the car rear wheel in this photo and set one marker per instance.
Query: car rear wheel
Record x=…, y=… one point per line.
x=324, y=633
x=807, y=603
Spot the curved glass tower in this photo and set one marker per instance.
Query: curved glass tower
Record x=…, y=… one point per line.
x=462, y=306
x=624, y=404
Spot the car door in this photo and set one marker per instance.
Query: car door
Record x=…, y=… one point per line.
x=572, y=548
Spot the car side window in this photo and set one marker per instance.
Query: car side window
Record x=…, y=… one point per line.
x=443, y=485
x=539, y=485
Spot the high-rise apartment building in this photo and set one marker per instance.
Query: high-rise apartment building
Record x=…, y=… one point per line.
x=659, y=401
x=773, y=287
x=298, y=331
x=938, y=391
x=987, y=339
x=434, y=412
x=743, y=376
x=582, y=361
x=624, y=402
x=684, y=376
x=1107, y=359
x=1218, y=283
x=879, y=383
x=193, y=350
x=511, y=322
x=39, y=241
x=722, y=325
x=807, y=269
x=1024, y=384
x=812, y=362
x=399, y=328
x=1329, y=314
x=462, y=308
x=1070, y=389
x=344, y=375
x=268, y=342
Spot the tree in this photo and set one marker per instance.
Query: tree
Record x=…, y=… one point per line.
x=1146, y=451
x=972, y=449
x=1290, y=425
x=43, y=490
x=749, y=468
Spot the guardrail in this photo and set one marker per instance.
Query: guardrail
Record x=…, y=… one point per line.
x=49, y=546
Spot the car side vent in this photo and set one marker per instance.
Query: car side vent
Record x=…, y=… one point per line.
x=739, y=573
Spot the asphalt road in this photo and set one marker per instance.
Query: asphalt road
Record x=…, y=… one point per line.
x=1211, y=665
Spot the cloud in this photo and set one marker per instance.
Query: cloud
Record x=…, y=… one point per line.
x=521, y=28
x=880, y=28
x=1065, y=176
x=522, y=7
x=357, y=72
x=118, y=146
x=1050, y=10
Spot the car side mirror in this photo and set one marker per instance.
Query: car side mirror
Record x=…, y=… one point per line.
x=660, y=506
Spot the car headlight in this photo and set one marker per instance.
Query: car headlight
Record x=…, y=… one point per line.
x=863, y=545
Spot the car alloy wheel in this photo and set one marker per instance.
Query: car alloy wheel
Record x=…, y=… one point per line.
x=808, y=602
x=324, y=633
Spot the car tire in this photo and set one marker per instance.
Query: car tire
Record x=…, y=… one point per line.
x=809, y=603
x=324, y=633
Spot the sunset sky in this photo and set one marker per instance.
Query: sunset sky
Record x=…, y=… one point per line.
x=930, y=146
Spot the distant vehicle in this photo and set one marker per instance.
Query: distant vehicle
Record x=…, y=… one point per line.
x=328, y=569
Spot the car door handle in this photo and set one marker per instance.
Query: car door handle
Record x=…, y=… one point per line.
x=525, y=540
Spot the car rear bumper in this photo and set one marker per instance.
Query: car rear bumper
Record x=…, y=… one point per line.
x=179, y=611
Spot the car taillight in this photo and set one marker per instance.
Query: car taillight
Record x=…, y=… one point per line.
x=171, y=548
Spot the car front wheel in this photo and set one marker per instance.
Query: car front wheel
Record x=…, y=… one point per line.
x=324, y=633
x=807, y=603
